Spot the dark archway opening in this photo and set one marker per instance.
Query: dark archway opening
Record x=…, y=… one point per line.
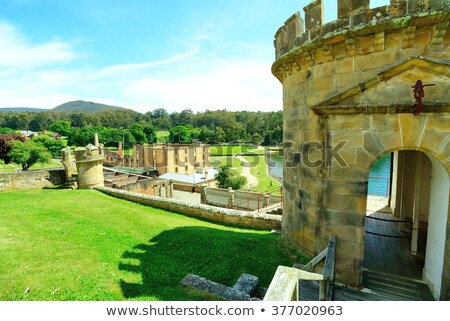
x=397, y=259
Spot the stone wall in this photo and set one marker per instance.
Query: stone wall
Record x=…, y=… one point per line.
x=220, y=215
x=347, y=101
x=32, y=179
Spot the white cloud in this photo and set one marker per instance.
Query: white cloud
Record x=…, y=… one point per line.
x=16, y=52
x=35, y=75
x=236, y=85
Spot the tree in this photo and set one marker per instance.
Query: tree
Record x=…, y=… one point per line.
x=257, y=139
x=161, y=119
x=6, y=145
x=137, y=130
x=28, y=153
x=81, y=136
x=181, y=134
x=61, y=127
x=150, y=133
x=52, y=145
x=227, y=178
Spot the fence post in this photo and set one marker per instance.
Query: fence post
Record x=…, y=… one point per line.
x=266, y=200
x=230, y=197
x=203, y=197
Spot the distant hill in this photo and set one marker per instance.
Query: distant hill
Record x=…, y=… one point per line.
x=84, y=107
x=22, y=109
x=71, y=106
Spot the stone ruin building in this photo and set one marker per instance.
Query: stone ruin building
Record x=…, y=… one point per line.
x=373, y=82
x=163, y=158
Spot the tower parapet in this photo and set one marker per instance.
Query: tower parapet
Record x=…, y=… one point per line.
x=297, y=40
x=89, y=161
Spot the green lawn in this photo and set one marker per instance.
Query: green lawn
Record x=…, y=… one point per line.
x=54, y=163
x=259, y=170
x=162, y=135
x=220, y=150
x=231, y=161
x=84, y=245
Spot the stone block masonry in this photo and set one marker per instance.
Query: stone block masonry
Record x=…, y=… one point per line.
x=215, y=214
x=32, y=179
x=347, y=101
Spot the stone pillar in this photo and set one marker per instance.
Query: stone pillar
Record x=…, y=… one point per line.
x=135, y=154
x=230, y=197
x=203, y=198
x=89, y=162
x=96, y=139
x=266, y=200
x=145, y=156
x=168, y=186
x=68, y=162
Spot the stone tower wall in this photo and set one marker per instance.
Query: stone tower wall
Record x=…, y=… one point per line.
x=350, y=80
x=89, y=162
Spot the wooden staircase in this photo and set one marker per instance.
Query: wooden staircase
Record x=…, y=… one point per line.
x=395, y=287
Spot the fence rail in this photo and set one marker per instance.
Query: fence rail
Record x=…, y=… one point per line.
x=286, y=284
x=381, y=189
x=242, y=200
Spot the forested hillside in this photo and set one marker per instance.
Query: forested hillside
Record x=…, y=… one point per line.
x=120, y=124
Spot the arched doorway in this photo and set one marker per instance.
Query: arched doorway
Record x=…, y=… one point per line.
x=405, y=234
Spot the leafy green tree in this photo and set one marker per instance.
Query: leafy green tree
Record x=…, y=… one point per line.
x=41, y=121
x=54, y=146
x=110, y=137
x=150, y=133
x=227, y=178
x=5, y=130
x=137, y=130
x=128, y=140
x=28, y=153
x=81, y=136
x=6, y=141
x=161, y=119
x=181, y=134
x=18, y=120
x=257, y=139
x=61, y=127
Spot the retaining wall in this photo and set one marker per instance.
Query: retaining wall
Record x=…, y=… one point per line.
x=220, y=215
x=32, y=179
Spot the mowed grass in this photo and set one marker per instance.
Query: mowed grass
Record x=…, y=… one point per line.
x=11, y=167
x=258, y=168
x=84, y=245
x=222, y=150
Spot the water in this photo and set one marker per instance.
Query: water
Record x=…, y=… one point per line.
x=380, y=177
x=275, y=165
x=379, y=180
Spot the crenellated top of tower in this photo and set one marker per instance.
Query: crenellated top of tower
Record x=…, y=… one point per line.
x=354, y=16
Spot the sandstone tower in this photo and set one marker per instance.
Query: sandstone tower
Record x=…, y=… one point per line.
x=351, y=95
x=89, y=161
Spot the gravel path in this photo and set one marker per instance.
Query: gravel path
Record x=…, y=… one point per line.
x=252, y=181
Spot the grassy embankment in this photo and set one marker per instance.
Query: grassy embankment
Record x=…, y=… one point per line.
x=84, y=245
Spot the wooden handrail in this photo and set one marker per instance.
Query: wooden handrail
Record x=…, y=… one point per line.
x=285, y=284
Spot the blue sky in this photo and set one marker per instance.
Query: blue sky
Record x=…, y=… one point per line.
x=143, y=54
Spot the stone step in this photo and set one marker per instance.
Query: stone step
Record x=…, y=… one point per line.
x=247, y=283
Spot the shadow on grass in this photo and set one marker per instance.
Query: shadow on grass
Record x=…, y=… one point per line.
x=221, y=256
